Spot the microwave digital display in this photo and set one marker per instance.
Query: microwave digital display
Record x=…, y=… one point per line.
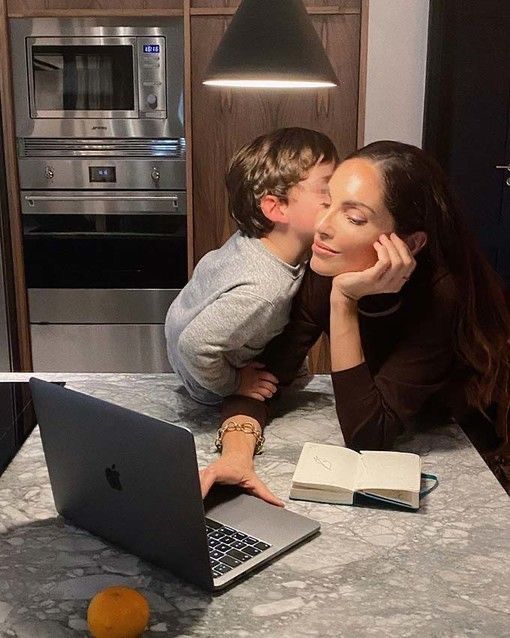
x=102, y=174
x=151, y=48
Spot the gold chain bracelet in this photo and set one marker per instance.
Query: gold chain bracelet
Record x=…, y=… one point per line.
x=246, y=427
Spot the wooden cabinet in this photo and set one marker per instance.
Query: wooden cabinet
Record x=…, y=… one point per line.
x=28, y=7
x=331, y=5
x=218, y=121
x=223, y=119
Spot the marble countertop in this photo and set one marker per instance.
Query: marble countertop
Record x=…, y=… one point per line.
x=443, y=571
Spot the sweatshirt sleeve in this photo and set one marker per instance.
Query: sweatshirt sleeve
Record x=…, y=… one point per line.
x=285, y=353
x=373, y=409
x=227, y=324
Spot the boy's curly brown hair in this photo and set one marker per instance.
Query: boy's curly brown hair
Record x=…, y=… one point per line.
x=271, y=165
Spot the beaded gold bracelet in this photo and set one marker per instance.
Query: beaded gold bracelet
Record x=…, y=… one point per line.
x=246, y=427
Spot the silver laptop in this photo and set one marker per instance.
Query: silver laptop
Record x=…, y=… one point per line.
x=133, y=480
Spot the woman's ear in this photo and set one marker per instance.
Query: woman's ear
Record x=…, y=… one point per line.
x=416, y=241
x=274, y=209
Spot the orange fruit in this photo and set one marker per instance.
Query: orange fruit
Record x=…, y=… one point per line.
x=118, y=612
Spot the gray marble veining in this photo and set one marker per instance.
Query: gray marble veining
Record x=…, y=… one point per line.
x=443, y=571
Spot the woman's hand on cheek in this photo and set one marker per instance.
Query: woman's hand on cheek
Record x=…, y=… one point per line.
x=393, y=268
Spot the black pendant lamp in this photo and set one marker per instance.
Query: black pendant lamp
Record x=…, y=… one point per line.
x=271, y=44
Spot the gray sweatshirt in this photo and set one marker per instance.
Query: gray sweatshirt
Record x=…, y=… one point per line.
x=237, y=300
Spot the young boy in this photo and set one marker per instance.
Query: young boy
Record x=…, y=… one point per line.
x=239, y=296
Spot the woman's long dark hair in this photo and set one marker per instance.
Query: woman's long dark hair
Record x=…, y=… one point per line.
x=418, y=196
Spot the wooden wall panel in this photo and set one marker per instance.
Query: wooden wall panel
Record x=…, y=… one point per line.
x=16, y=294
x=225, y=119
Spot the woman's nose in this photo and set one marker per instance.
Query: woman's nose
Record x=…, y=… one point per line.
x=323, y=226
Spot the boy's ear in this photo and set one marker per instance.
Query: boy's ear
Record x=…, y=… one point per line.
x=274, y=209
x=416, y=241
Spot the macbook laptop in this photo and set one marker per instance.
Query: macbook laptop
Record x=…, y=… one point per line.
x=133, y=480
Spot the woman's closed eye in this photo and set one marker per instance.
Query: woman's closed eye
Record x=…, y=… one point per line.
x=354, y=215
x=356, y=219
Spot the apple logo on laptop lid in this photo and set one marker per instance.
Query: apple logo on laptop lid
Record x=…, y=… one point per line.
x=113, y=477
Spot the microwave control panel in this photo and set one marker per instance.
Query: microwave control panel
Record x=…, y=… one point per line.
x=152, y=76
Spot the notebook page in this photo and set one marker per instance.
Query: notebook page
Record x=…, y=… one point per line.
x=389, y=471
x=326, y=466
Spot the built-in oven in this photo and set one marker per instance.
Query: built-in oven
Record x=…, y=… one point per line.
x=101, y=158
x=97, y=78
x=101, y=273
x=102, y=265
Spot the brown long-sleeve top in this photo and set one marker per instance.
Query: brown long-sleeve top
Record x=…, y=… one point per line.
x=410, y=375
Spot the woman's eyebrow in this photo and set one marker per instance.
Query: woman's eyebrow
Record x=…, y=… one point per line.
x=356, y=204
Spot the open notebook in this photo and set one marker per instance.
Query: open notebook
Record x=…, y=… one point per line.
x=334, y=474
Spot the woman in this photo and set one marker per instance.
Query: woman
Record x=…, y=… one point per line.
x=418, y=321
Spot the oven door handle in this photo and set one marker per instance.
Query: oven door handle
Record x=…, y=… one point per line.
x=30, y=199
x=103, y=204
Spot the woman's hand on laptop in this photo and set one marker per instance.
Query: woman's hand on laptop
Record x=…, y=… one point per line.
x=256, y=382
x=235, y=466
x=236, y=470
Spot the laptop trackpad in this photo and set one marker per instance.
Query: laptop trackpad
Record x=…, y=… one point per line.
x=275, y=525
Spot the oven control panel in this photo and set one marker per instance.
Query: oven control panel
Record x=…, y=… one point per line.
x=102, y=174
x=152, y=76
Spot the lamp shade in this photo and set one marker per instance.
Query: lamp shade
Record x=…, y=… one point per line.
x=271, y=44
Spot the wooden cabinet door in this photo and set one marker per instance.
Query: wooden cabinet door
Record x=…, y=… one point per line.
x=27, y=7
x=222, y=119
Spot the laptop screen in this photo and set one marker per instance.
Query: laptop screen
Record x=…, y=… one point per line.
x=17, y=418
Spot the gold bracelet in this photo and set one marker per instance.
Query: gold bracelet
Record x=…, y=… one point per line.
x=246, y=427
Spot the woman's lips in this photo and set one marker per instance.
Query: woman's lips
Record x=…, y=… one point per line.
x=322, y=249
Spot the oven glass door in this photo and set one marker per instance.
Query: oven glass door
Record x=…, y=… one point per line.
x=105, y=251
x=83, y=77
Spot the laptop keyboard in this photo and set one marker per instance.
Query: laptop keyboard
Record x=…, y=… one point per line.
x=229, y=548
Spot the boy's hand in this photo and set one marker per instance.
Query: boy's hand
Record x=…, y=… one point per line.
x=256, y=382
x=393, y=268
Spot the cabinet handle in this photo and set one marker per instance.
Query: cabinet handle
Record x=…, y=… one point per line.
x=507, y=167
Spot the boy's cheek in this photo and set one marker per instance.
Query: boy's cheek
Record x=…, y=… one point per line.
x=315, y=216
x=304, y=223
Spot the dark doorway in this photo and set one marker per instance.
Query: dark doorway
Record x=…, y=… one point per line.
x=467, y=114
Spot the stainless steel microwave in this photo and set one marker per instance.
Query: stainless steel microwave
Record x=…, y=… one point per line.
x=98, y=78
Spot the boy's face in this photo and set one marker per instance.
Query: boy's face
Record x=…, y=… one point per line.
x=307, y=200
